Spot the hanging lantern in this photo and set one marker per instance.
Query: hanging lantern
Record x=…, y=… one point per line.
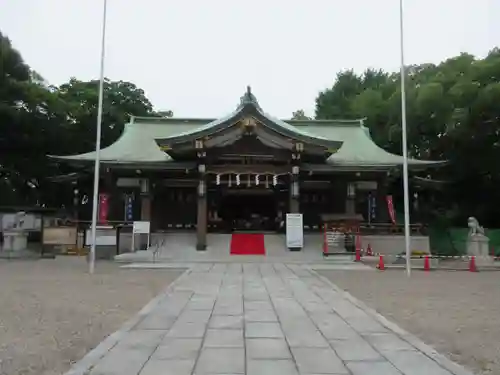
x=217, y=179
x=248, y=181
x=267, y=181
x=275, y=180
x=238, y=180
x=257, y=180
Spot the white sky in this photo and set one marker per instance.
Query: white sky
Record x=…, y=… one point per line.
x=196, y=57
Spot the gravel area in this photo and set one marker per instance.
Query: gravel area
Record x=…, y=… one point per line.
x=52, y=312
x=458, y=313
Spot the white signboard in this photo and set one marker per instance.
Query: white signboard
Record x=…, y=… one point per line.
x=294, y=231
x=141, y=227
x=27, y=222
x=104, y=236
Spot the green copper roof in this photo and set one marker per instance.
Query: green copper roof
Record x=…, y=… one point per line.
x=249, y=106
x=137, y=143
x=358, y=148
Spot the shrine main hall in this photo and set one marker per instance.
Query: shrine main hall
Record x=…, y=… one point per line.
x=242, y=172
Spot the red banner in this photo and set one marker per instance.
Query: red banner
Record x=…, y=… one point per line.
x=103, y=208
x=390, y=207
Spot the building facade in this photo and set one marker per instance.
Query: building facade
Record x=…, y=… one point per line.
x=244, y=171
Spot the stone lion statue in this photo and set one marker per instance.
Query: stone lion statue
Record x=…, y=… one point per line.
x=474, y=227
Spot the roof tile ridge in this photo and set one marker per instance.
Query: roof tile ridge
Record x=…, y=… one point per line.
x=329, y=122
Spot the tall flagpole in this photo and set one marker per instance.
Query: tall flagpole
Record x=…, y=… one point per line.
x=404, y=143
x=98, y=141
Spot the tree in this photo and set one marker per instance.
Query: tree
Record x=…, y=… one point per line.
x=452, y=114
x=300, y=115
x=37, y=119
x=28, y=113
x=121, y=100
x=167, y=114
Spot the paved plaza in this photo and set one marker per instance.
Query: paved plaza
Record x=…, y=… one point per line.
x=260, y=319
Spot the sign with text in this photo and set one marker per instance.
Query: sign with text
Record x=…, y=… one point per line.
x=129, y=207
x=104, y=236
x=294, y=231
x=141, y=227
x=372, y=207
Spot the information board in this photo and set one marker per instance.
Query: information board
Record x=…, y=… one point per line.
x=294, y=231
x=104, y=236
x=138, y=228
x=141, y=227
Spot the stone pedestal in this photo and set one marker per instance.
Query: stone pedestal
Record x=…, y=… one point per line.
x=15, y=241
x=478, y=246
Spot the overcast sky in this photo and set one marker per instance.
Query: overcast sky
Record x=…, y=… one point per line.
x=196, y=57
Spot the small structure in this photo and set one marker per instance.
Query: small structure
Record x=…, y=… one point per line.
x=15, y=237
x=478, y=243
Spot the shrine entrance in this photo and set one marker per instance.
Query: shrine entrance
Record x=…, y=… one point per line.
x=249, y=210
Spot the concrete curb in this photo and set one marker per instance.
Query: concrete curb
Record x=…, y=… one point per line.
x=411, y=339
x=84, y=365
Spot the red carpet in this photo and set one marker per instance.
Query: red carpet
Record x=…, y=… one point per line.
x=247, y=244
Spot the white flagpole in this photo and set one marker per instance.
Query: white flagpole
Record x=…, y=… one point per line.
x=404, y=143
x=98, y=141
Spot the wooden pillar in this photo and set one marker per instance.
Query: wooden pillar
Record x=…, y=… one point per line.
x=350, y=203
x=201, y=221
x=145, y=207
x=294, y=189
x=201, y=226
x=145, y=200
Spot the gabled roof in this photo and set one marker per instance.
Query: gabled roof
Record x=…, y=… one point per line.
x=137, y=144
x=250, y=108
x=358, y=148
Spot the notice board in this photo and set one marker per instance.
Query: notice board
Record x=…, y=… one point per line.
x=294, y=231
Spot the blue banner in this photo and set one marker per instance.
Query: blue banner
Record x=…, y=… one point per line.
x=372, y=207
x=129, y=207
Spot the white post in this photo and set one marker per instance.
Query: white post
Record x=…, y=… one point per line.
x=98, y=142
x=404, y=142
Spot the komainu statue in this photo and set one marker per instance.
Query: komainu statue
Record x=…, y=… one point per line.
x=478, y=243
x=474, y=227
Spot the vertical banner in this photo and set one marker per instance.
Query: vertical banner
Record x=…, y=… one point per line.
x=103, y=208
x=372, y=207
x=129, y=207
x=390, y=207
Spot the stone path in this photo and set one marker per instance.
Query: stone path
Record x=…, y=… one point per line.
x=260, y=319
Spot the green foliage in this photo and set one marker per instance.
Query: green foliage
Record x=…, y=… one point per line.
x=37, y=119
x=453, y=113
x=300, y=115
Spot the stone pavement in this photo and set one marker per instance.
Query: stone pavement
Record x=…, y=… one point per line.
x=260, y=319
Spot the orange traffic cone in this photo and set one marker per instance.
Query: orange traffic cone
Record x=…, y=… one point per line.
x=369, y=250
x=427, y=263
x=381, y=265
x=358, y=249
x=472, y=264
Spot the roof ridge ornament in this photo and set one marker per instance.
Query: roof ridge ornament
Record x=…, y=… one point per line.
x=249, y=98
